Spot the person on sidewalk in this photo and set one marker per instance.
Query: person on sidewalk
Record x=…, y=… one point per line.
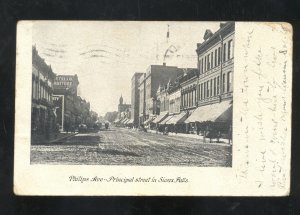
x=56, y=130
x=230, y=134
x=166, y=130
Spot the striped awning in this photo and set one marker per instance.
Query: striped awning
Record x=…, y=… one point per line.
x=178, y=118
x=160, y=117
x=129, y=121
x=149, y=120
x=218, y=112
x=166, y=120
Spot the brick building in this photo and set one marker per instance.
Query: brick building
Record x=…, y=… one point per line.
x=142, y=102
x=135, y=96
x=155, y=76
x=214, y=90
x=42, y=113
x=66, y=101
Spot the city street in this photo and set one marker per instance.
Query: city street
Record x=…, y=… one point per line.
x=121, y=146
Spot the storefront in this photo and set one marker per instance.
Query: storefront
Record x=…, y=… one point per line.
x=176, y=124
x=215, y=118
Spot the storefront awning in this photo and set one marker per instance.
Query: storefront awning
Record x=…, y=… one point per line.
x=178, y=118
x=129, y=121
x=149, y=120
x=218, y=112
x=117, y=120
x=160, y=117
x=166, y=120
x=124, y=121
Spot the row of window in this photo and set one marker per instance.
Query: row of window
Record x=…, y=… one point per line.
x=40, y=92
x=207, y=89
x=213, y=58
x=174, y=107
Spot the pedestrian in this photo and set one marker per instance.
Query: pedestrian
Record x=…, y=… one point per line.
x=198, y=128
x=166, y=130
x=56, y=130
x=230, y=134
x=218, y=136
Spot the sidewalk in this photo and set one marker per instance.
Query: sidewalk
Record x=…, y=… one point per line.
x=195, y=136
x=53, y=138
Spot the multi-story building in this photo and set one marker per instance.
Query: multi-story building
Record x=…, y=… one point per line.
x=42, y=114
x=156, y=75
x=215, y=61
x=135, y=96
x=174, y=98
x=162, y=98
x=214, y=91
x=142, y=103
x=65, y=97
x=188, y=84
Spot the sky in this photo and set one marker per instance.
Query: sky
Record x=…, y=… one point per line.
x=106, y=54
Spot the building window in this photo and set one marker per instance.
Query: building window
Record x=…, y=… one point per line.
x=198, y=95
x=229, y=81
x=211, y=93
x=33, y=88
x=214, y=86
x=204, y=91
x=207, y=85
x=186, y=99
x=208, y=63
x=202, y=65
x=219, y=55
x=216, y=58
x=212, y=59
x=201, y=92
x=223, y=83
x=36, y=90
x=224, y=52
x=42, y=92
x=230, y=49
x=205, y=64
x=218, y=85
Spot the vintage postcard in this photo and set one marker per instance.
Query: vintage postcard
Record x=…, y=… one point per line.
x=153, y=108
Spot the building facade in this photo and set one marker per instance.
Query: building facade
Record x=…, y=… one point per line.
x=66, y=101
x=142, y=104
x=174, y=98
x=214, y=89
x=155, y=76
x=42, y=112
x=135, y=96
x=162, y=99
x=215, y=64
x=188, y=84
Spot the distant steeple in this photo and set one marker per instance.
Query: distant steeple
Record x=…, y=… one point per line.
x=169, y=84
x=121, y=100
x=158, y=89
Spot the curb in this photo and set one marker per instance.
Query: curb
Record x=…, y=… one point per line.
x=187, y=136
x=61, y=138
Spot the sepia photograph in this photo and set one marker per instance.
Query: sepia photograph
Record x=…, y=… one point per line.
x=155, y=94
x=158, y=108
